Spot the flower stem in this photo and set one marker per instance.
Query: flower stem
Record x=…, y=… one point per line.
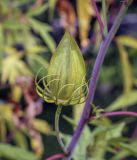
x=94, y=79
x=57, y=115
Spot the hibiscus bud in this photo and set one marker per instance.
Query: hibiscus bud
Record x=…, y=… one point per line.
x=65, y=83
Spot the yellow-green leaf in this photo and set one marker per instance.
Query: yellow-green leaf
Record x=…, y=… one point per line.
x=85, y=11
x=124, y=101
x=12, y=68
x=42, y=126
x=127, y=69
x=128, y=41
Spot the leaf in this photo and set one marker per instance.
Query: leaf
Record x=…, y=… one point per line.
x=81, y=148
x=37, y=10
x=14, y=25
x=115, y=131
x=135, y=81
x=52, y=4
x=131, y=148
x=77, y=110
x=16, y=93
x=69, y=120
x=6, y=111
x=3, y=130
x=43, y=30
x=41, y=126
x=36, y=50
x=36, y=62
x=85, y=11
x=80, y=152
x=123, y=101
x=15, y=153
x=126, y=150
x=20, y=140
x=127, y=70
x=127, y=41
x=13, y=67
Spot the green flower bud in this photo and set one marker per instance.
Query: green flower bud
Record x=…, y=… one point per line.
x=65, y=83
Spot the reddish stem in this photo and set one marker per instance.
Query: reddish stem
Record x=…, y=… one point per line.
x=56, y=156
x=101, y=25
x=119, y=113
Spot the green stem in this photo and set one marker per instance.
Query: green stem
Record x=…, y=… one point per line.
x=57, y=115
x=104, y=10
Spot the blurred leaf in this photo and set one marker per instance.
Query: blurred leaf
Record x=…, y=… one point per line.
x=12, y=67
x=14, y=25
x=123, y=101
x=36, y=143
x=15, y=153
x=127, y=41
x=16, y=93
x=3, y=130
x=37, y=10
x=6, y=111
x=77, y=110
x=52, y=4
x=43, y=29
x=1, y=38
x=41, y=126
x=126, y=67
x=36, y=49
x=126, y=150
x=81, y=150
x=135, y=82
x=115, y=131
x=20, y=140
x=36, y=62
x=131, y=148
x=70, y=120
x=85, y=11
x=100, y=138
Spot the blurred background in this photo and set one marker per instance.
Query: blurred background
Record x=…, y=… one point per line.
x=30, y=30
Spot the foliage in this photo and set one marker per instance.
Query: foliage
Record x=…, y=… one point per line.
x=28, y=34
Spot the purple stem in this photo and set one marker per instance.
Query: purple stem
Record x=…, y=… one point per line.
x=119, y=113
x=94, y=79
x=101, y=25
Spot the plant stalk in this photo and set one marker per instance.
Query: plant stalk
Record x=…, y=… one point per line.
x=57, y=115
x=94, y=78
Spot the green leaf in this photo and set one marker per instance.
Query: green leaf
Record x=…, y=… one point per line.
x=69, y=120
x=43, y=30
x=77, y=110
x=15, y=153
x=12, y=68
x=37, y=10
x=36, y=62
x=52, y=4
x=127, y=41
x=81, y=150
x=115, y=131
x=41, y=126
x=127, y=70
x=20, y=139
x=126, y=150
x=123, y=101
x=85, y=11
x=14, y=25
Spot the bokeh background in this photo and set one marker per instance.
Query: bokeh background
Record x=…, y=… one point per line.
x=30, y=30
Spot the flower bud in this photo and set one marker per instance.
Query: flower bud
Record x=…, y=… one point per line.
x=65, y=83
